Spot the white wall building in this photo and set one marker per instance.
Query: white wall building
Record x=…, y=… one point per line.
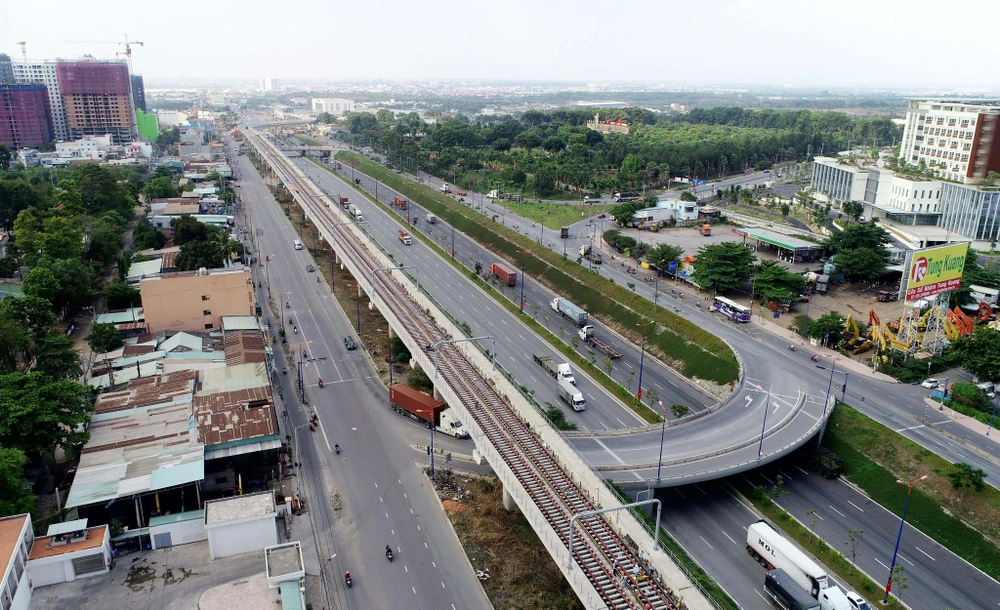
x=837, y=182
x=241, y=524
x=171, y=118
x=269, y=84
x=70, y=550
x=88, y=147
x=45, y=72
x=16, y=538
x=332, y=105
x=953, y=138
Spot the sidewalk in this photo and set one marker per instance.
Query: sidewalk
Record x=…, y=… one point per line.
x=971, y=423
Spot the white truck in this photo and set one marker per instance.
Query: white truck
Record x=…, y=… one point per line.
x=772, y=551
x=356, y=213
x=572, y=396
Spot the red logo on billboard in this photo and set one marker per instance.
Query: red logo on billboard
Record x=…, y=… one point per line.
x=919, y=269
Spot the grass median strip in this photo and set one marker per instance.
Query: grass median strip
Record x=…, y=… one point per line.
x=957, y=519
x=695, y=352
x=598, y=374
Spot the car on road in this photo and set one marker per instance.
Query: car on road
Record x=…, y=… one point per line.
x=857, y=602
x=929, y=383
x=349, y=343
x=310, y=268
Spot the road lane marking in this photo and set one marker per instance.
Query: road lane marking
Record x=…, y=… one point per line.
x=910, y=428
x=837, y=511
x=766, y=479
x=906, y=560
x=699, y=489
x=882, y=564
x=407, y=569
x=761, y=596
x=925, y=553
x=782, y=473
x=706, y=543
x=855, y=506
x=803, y=471
x=730, y=539
x=681, y=494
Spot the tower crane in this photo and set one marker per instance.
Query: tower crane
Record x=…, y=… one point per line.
x=128, y=47
x=24, y=50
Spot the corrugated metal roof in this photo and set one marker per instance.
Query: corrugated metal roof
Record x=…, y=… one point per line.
x=146, y=369
x=233, y=378
x=130, y=361
x=144, y=268
x=132, y=314
x=182, y=340
x=233, y=323
x=291, y=596
x=66, y=527
x=189, y=515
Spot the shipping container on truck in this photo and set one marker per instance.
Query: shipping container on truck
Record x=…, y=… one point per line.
x=505, y=274
x=425, y=409
x=772, y=551
x=573, y=397
x=344, y=201
x=787, y=593
x=405, y=237
x=355, y=212
x=399, y=202
x=569, y=310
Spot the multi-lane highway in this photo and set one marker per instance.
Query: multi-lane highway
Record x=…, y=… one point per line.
x=373, y=493
x=689, y=449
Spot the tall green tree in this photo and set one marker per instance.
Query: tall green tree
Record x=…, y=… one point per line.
x=38, y=414
x=853, y=209
x=662, y=255
x=56, y=357
x=5, y=157
x=104, y=338
x=146, y=236
x=197, y=254
x=724, y=266
x=158, y=188
x=60, y=239
x=979, y=354
x=187, y=229
x=14, y=498
x=829, y=326
x=774, y=282
x=120, y=295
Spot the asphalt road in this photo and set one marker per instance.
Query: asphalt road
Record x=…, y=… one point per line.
x=373, y=493
x=711, y=524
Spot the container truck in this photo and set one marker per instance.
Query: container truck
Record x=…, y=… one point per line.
x=355, y=212
x=556, y=371
x=344, y=201
x=787, y=593
x=572, y=396
x=588, y=335
x=508, y=276
x=588, y=253
x=431, y=219
x=425, y=409
x=827, y=463
x=772, y=551
x=623, y=197
x=405, y=237
x=399, y=202
x=569, y=310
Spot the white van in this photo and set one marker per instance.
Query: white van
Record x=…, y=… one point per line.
x=833, y=598
x=298, y=244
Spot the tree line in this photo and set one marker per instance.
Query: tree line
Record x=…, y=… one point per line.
x=546, y=153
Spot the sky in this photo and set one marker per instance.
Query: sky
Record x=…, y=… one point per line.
x=845, y=43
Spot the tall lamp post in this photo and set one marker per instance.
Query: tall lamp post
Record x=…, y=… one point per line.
x=909, y=489
x=642, y=359
x=994, y=412
x=523, y=259
x=763, y=426
x=663, y=431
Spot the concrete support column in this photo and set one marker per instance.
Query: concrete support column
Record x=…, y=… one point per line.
x=508, y=501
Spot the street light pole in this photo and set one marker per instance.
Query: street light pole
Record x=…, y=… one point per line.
x=663, y=431
x=642, y=359
x=763, y=426
x=899, y=536
x=993, y=415
x=523, y=259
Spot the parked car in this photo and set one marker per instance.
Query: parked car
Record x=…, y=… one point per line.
x=929, y=383
x=310, y=268
x=349, y=343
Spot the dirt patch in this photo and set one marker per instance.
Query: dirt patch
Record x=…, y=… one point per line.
x=491, y=536
x=452, y=508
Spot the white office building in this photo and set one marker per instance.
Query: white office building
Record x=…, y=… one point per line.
x=44, y=72
x=331, y=105
x=269, y=84
x=837, y=182
x=954, y=138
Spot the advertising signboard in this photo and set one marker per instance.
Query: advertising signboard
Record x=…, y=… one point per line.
x=935, y=270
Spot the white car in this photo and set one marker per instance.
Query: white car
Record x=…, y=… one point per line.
x=857, y=602
x=929, y=383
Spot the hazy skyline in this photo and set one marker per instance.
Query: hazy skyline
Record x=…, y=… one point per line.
x=740, y=42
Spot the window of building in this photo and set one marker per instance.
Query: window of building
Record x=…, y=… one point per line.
x=205, y=297
x=208, y=326
x=206, y=312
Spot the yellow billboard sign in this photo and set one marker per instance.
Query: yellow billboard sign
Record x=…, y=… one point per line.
x=936, y=270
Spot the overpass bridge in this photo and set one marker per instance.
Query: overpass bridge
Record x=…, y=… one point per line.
x=620, y=567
